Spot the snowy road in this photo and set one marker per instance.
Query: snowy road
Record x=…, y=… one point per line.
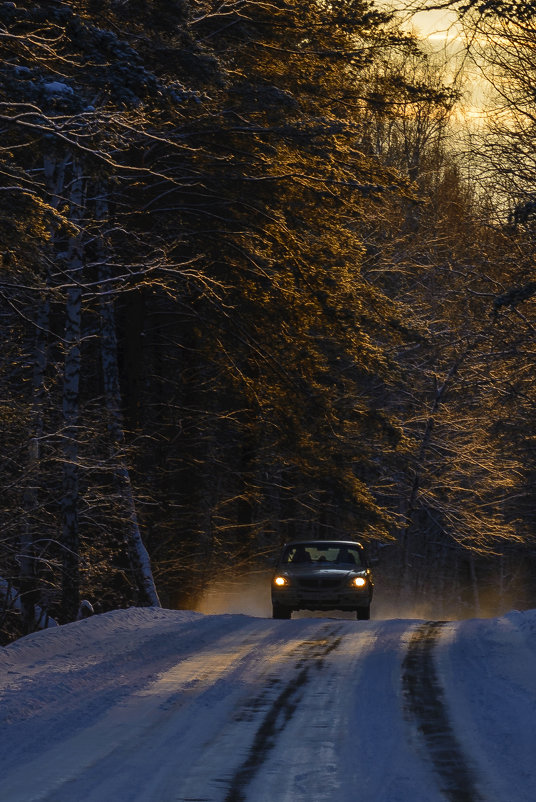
x=163, y=706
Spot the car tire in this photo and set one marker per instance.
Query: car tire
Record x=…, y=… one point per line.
x=279, y=611
x=363, y=613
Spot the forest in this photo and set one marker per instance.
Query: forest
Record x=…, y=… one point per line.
x=264, y=278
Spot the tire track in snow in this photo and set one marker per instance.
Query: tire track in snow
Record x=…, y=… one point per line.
x=120, y=756
x=425, y=705
x=311, y=657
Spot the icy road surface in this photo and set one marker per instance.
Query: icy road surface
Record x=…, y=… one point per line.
x=166, y=706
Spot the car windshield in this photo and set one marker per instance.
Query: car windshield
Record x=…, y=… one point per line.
x=333, y=554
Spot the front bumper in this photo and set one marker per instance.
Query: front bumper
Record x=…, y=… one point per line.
x=341, y=599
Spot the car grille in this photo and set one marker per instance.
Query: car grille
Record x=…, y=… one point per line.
x=317, y=584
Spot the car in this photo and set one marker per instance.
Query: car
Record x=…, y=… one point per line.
x=322, y=575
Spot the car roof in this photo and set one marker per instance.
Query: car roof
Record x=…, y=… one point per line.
x=318, y=542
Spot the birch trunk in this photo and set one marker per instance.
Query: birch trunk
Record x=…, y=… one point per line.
x=140, y=563
x=71, y=383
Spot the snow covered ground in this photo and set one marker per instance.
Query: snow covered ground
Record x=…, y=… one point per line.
x=148, y=705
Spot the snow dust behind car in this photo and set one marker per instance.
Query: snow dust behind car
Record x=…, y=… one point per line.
x=248, y=594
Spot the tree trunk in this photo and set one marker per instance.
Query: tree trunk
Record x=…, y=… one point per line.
x=71, y=383
x=30, y=501
x=140, y=563
x=407, y=532
x=474, y=585
x=54, y=171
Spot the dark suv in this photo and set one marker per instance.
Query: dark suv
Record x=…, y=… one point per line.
x=322, y=575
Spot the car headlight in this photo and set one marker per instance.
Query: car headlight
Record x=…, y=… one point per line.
x=358, y=582
x=281, y=581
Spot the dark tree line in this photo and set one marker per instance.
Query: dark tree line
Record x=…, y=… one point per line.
x=249, y=294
